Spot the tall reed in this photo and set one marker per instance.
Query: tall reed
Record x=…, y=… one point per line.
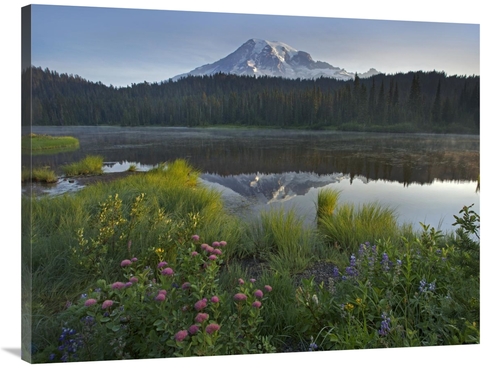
x=349, y=226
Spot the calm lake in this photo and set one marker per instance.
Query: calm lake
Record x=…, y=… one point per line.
x=426, y=178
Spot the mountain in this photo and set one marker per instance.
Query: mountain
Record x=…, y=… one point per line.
x=272, y=58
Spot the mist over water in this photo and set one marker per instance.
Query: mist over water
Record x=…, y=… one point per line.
x=426, y=178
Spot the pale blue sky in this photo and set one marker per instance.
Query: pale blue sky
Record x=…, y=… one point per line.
x=124, y=46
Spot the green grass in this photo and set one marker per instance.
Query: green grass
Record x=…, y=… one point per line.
x=90, y=165
x=326, y=203
x=348, y=226
x=282, y=238
x=41, y=174
x=37, y=143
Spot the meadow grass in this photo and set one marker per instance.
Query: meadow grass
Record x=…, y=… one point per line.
x=40, y=174
x=349, y=226
x=283, y=239
x=90, y=165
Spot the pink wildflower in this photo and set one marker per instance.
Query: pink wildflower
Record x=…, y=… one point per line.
x=195, y=237
x=186, y=285
x=194, y=254
x=256, y=304
x=217, y=251
x=162, y=264
x=118, y=285
x=212, y=257
x=258, y=294
x=241, y=281
x=128, y=284
x=126, y=262
x=215, y=244
x=133, y=279
x=214, y=299
x=90, y=302
x=200, y=317
x=240, y=297
x=167, y=271
x=252, y=280
x=204, y=246
x=268, y=288
x=181, y=335
x=106, y=304
x=222, y=243
x=209, y=249
x=193, y=329
x=160, y=297
x=200, y=304
x=211, y=328
x=164, y=292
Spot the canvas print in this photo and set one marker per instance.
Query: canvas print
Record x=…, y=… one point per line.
x=208, y=184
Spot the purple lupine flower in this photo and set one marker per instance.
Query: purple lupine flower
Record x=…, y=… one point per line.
x=239, y=297
x=336, y=273
x=384, y=325
x=258, y=294
x=181, y=335
x=385, y=262
x=352, y=260
x=211, y=328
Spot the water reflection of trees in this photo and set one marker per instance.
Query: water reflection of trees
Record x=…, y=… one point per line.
x=407, y=160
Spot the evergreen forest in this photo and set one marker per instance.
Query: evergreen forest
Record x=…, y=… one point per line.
x=410, y=102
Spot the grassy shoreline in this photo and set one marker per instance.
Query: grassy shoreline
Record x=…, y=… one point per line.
x=77, y=241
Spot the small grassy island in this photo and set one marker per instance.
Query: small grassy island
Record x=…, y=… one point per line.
x=41, y=143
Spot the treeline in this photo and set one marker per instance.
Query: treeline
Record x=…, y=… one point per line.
x=405, y=102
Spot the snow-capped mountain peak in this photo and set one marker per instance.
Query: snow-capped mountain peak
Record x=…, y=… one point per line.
x=273, y=58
